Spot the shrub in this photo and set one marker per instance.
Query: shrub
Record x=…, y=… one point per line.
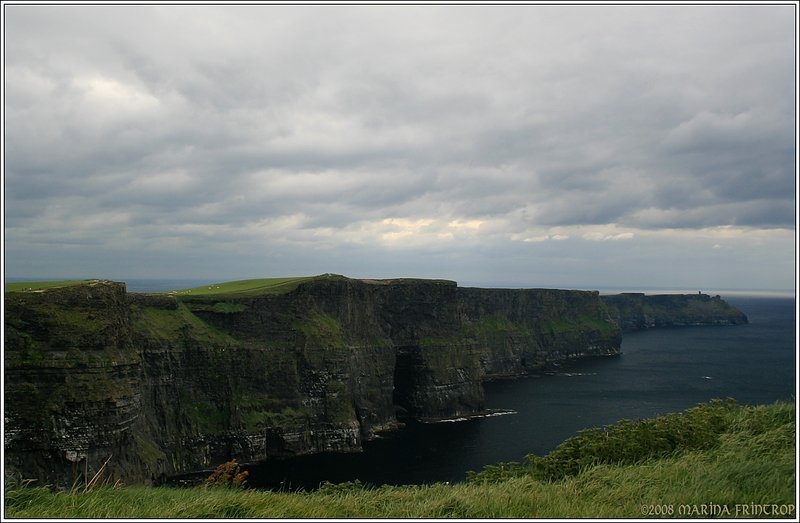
x=326, y=487
x=227, y=475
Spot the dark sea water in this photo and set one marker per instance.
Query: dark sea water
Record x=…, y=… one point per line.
x=660, y=371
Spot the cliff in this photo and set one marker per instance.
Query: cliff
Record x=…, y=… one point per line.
x=169, y=384
x=524, y=330
x=636, y=311
x=73, y=381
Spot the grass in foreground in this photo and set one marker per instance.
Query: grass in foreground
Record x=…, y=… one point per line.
x=731, y=461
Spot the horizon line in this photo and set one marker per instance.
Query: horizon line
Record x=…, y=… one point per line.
x=603, y=289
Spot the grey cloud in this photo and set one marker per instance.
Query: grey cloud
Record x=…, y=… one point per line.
x=532, y=116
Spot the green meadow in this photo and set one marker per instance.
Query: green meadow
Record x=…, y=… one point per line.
x=714, y=460
x=244, y=288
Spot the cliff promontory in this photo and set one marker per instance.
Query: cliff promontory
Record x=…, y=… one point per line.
x=171, y=383
x=637, y=311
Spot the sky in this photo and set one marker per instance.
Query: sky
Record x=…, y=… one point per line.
x=553, y=146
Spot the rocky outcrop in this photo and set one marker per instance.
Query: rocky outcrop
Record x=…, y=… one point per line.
x=73, y=381
x=167, y=384
x=636, y=311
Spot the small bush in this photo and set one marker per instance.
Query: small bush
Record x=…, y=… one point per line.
x=227, y=475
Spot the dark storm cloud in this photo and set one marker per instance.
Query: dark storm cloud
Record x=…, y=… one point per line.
x=416, y=126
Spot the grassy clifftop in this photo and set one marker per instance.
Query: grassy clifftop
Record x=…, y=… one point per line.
x=271, y=286
x=715, y=460
x=34, y=286
x=245, y=288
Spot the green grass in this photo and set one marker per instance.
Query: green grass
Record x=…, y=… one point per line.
x=496, y=324
x=31, y=286
x=253, y=419
x=321, y=329
x=253, y=287
x=175, y=324
x=738, y=459
x=562, y=325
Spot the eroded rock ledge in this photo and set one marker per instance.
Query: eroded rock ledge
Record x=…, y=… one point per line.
x=171, y=384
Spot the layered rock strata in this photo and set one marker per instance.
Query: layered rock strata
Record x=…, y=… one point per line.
x=166, y=384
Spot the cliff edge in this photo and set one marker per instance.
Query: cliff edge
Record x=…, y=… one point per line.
x=172, y=383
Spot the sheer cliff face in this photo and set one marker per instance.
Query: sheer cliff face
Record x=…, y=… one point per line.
x=73, y=380
x=527, y=329
x=169, y=386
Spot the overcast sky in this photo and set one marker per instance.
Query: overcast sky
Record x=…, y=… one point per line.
x=567, y=146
